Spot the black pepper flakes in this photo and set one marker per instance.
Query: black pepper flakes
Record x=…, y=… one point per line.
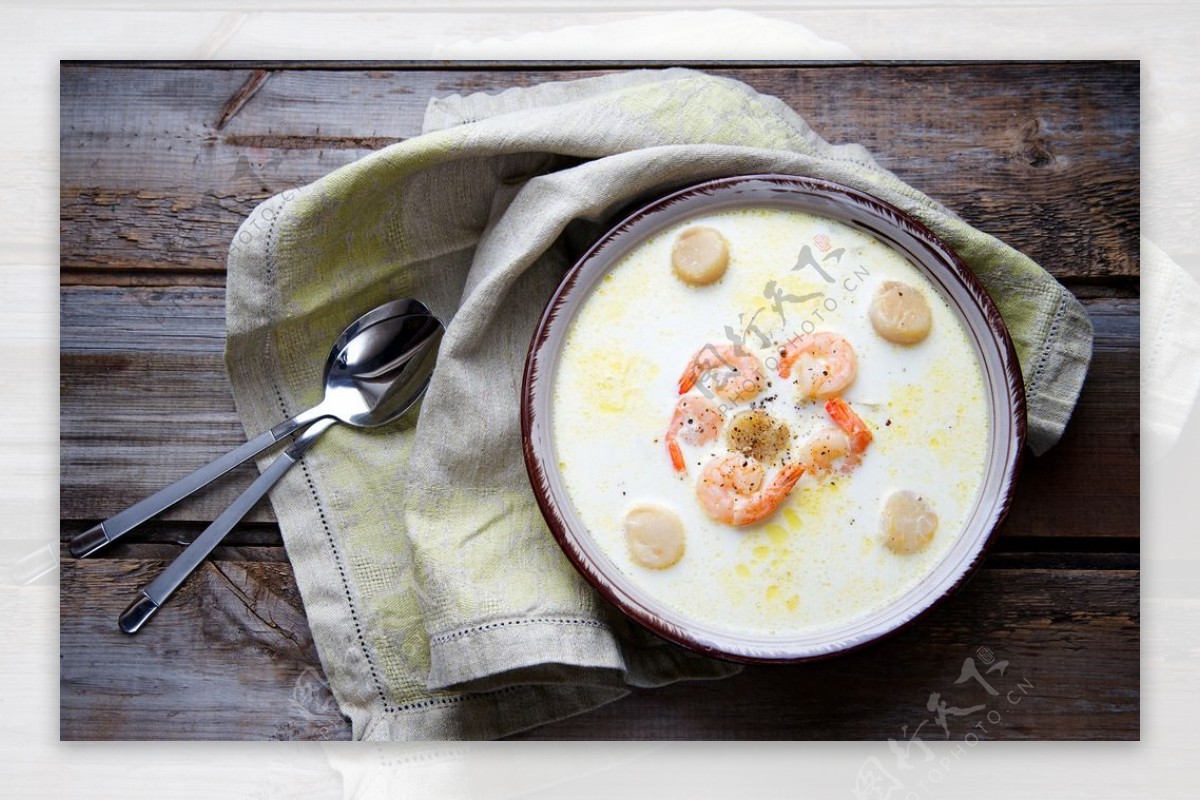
x=755, y=433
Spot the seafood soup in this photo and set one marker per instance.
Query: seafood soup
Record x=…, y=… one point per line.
x=769, y=420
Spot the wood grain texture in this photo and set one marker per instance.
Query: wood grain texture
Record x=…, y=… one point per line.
x=260, y=660
x=233, y=638
x=1089, y=484
x=160, y=166
x=1089, y=691
x=149, y=182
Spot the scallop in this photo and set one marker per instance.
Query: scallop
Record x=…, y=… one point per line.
x=700, y=255
x=909, y=522
x=654, y=535
x=758, y=434
x=900, y=313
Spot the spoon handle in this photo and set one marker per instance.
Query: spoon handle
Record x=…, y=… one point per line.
x=155, y=594
x=102, y=534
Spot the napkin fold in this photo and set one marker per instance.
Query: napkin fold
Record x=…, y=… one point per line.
x=440, y=604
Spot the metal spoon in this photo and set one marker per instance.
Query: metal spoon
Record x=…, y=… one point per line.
x=378, y=368
x=393, y=358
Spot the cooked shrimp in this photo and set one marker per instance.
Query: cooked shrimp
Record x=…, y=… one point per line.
x=858, y=436
x=908, y=522
x=846, y=442
x=825, y=361
x=824, y=448
x=731, y=489
x=737, y=373
x=696, y=421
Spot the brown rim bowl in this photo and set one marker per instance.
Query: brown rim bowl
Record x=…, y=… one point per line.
x=946, y=272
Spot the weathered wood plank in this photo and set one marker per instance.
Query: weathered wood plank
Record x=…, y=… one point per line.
x=133, y=423
x=144, y=400
x=235, y=637
x=166, y=540
x=262, y=542
x=1089, y=484
x=1002, y=146
x=1042, y=156
x=1071, y=636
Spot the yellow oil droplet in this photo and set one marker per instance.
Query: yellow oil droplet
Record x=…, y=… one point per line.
x=777, y=534
x=742, y=571
x=562, y=465
x=772, y=592
x=761, y=552
x=618, y=379
x=793, y=519
x=793, y=603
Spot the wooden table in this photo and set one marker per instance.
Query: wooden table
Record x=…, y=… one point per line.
x=160, y=163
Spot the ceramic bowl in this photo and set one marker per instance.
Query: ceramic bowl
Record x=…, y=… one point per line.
x=1003, y=387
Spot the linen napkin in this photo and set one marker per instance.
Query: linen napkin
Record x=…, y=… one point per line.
x=440, y=604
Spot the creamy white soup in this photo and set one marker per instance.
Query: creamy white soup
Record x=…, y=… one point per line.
x=862, y=524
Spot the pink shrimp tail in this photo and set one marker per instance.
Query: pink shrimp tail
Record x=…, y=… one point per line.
x=787, y=355
x=788, y=475
x=673, y=432
x=676, y=454
x=845, y=418
x=773, y=496
x=695, y=369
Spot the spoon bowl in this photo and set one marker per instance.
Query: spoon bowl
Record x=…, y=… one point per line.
x=381, y=364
